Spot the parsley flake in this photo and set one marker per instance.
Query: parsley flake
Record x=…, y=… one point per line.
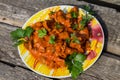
x=74, y=14
x=52, y=39
x=42, y=32
x=19, y=34
x=75, y=63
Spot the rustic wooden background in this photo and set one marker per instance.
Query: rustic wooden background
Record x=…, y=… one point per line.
x=14, y=13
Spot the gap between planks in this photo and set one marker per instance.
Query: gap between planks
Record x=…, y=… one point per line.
x=14, y=65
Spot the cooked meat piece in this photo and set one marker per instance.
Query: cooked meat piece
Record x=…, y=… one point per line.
x=76, y=46
x=63, y=35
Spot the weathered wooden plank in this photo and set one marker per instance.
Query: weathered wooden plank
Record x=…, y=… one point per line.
x=11, y=21
x=99, y=71
x=117, y=2
x=12, y=73
x=17, y=12
x=106, y=68
x=8, y=53
x=16, y=73
x=13, y=15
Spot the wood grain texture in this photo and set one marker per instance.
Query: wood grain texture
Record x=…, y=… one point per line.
x=17, y=73
x=117, y=2
x=106, y=68
x=8, y=53
x=17, y=12
x=13, y=15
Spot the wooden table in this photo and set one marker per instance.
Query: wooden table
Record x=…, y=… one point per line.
x=14, y=13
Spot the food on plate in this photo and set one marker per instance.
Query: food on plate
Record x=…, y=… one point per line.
x=60, y=41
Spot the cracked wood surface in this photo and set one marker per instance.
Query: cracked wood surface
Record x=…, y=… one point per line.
x=13, y=14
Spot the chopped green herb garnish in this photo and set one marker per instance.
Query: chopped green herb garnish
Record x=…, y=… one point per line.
x=80, y=58
x=85, y=20
x=68, y=61
x=74, y=26
x=88, y=9
x=74, y=14
x=72, y=35
x=28, y=31
x=17, y=34
x=42, y=32
x=52, y=39
x=75, y=63
x=74, y=38
x=57, y=25
x=76, y=41
x=81, y=28
x=76, y=69
x=51, y=12
x=19, y=42
x=67, y=40
x=72, y=55
x=21, y=33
